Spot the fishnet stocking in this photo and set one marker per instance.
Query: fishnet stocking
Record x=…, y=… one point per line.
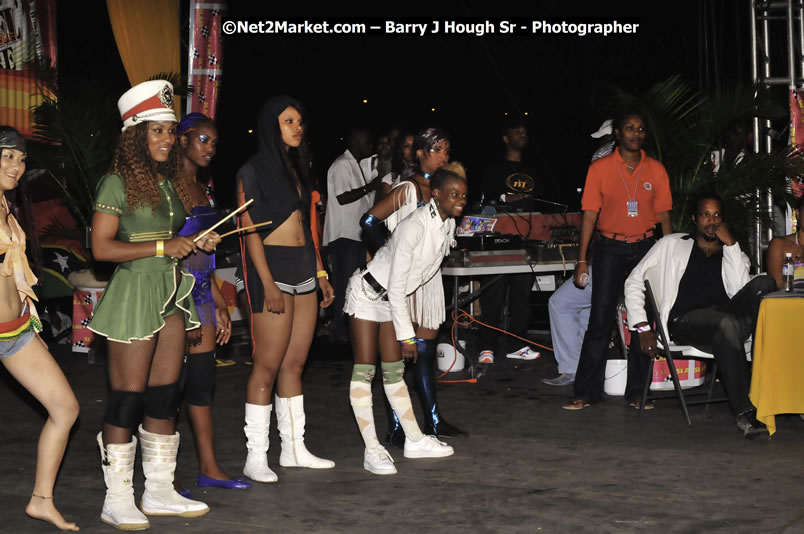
x=141, y=363
x=169, y=356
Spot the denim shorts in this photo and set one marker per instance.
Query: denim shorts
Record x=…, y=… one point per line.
x=15, y=335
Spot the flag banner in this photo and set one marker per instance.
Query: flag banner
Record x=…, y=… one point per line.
x=27, y=33
x=206, y=57
x=797, y=131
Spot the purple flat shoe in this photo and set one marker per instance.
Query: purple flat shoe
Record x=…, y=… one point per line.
x=185, y=493
x=204, y=481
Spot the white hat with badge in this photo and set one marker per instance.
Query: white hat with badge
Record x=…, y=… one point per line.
x=147, y=101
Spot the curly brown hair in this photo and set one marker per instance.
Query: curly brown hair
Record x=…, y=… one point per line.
x=132, y=161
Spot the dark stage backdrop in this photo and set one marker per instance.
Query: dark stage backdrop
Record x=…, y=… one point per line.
x=471, y=81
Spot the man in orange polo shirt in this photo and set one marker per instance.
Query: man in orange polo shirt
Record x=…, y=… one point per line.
x=626, y=195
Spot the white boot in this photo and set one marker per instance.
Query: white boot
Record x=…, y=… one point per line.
x=290, y=420
x=258, y=422
x=158, y=464
x=119, y=509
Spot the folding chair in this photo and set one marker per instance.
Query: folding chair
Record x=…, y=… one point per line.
x=669, y=350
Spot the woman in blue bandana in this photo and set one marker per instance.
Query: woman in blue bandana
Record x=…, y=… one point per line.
x=198, y=140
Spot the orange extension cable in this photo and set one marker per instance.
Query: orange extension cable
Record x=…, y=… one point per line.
x=458, y=320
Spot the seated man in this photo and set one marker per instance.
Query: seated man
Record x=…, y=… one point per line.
x=708, y=301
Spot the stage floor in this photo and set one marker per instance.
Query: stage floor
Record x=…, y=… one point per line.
x=527, y=466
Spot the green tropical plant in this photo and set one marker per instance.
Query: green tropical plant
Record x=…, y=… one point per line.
x=686, y=126
x=78, y=130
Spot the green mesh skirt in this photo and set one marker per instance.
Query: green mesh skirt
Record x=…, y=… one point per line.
x=140, y=294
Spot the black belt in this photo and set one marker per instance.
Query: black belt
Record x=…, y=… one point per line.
x=375, y=285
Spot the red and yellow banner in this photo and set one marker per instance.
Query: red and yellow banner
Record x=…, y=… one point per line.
x=27, y=33
x=797, y=130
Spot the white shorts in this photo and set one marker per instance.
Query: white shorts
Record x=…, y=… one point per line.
x=362, y=302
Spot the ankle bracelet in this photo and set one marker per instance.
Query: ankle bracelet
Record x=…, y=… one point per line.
x=42, y=497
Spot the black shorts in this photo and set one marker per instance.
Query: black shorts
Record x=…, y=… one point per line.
x=293, y=270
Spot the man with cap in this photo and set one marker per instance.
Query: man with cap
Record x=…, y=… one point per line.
x=605, y=135
x=570, y=305
x=510, y=181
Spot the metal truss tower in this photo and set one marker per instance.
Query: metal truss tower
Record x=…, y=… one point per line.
x=772, y=20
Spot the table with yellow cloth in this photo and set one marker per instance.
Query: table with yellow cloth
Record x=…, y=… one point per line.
x=776, y=385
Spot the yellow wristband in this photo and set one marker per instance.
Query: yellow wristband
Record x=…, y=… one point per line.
x=160, y=249
x=322, y=274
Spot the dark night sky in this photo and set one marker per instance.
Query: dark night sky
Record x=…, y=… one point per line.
x=471, y=81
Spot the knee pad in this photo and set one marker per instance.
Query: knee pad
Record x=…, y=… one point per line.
x=363, y=372
x=124, y=408
x=393, y=372
x=162, y=402
x=199, y=378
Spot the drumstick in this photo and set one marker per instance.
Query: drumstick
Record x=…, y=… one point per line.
x=235, y=212
x=253, y=226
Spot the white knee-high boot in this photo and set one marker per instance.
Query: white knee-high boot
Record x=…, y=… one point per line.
x=119, y=509
x=258, y=423
x=290, y=420
x=158, y=464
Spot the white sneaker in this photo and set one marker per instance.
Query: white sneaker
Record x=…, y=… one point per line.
x=378, y=461
x=525, y=353
x=486, y=356
x=427, y=447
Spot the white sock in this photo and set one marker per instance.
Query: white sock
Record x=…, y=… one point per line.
x=399, y=398
x=360, y=398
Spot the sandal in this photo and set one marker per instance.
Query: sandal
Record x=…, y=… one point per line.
x=650, y=405
x=576, y=404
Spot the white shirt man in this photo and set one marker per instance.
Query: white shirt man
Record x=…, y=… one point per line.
x=350, y=194
x=344, y=175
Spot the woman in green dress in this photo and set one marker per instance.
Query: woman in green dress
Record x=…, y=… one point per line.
x=146, y=307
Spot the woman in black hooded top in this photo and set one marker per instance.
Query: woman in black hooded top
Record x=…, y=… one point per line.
x=282, y=272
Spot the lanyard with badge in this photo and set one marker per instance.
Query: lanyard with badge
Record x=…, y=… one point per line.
x=631, y=205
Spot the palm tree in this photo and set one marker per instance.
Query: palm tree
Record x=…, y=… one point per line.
x=78, y=133
x=687, y=126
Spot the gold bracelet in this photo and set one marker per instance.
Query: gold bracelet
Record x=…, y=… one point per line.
x=160, y=249
x=322, y=274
